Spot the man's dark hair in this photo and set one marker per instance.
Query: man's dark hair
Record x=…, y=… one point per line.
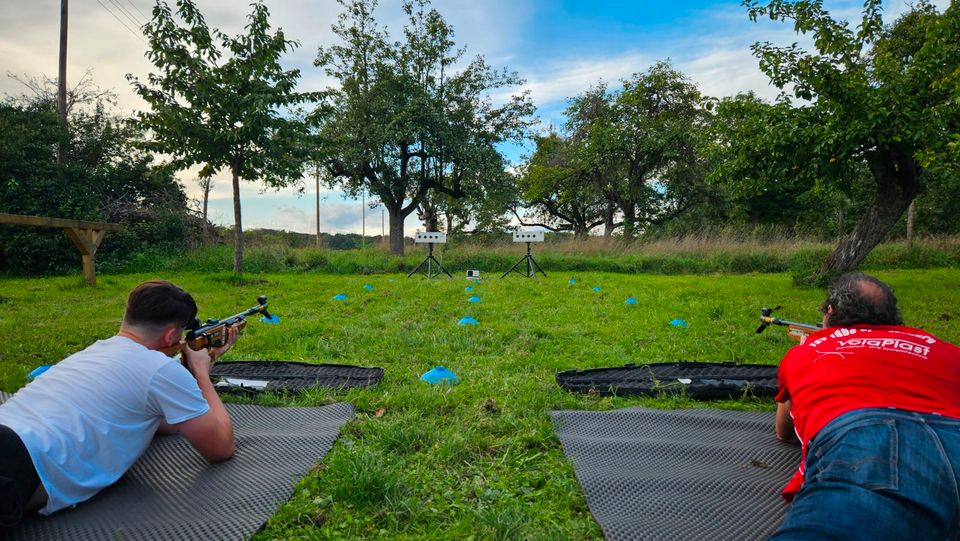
x=158, y=303
x=858, y=298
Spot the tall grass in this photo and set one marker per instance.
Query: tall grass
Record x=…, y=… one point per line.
x=729, y=253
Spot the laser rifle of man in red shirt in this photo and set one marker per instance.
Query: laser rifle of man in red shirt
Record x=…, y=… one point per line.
x=876, y=408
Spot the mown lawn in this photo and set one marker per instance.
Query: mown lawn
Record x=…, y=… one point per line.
x=477, y=460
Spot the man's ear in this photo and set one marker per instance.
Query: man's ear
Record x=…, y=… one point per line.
x=171, y=335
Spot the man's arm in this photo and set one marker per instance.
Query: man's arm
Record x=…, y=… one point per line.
x=784, y=423
x=211, y=433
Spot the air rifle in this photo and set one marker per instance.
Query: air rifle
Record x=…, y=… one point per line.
x=213, y=333
x=797, y=331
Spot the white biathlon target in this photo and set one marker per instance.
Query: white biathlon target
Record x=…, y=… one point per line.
x=430, y=237
x=528, y=236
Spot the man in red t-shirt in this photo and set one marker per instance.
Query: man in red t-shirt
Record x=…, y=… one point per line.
x=876, y=407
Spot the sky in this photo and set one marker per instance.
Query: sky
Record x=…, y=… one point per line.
x=560, y=47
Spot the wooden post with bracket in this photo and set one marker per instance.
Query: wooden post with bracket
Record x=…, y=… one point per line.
x=86, y=236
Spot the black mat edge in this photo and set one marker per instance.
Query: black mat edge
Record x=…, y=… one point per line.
x=729, y=387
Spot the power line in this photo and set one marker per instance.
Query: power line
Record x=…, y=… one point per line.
x=119, y=20
x=123, y=11
x=138, y=10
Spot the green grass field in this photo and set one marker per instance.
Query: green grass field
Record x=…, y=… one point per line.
x=477, y=460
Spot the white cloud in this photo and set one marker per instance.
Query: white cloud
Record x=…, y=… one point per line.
x=563, y=79
x=725, y=72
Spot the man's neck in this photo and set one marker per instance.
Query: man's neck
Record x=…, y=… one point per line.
x=137, y=336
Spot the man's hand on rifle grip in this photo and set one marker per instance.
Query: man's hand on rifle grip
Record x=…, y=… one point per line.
x=198, y=362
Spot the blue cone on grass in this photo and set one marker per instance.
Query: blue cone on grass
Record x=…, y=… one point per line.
x=368, y=287
x=468, y=288
x=468, y=321
x=274, y=318
x=597, y=288
x=439, y=374
x=474, y=299
x=630, y=300
x=679, y=323
x=339, y=297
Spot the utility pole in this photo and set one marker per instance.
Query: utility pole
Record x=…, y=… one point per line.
x=382, y=230
x=62, y=79
x=317, y=176
x=363, y=218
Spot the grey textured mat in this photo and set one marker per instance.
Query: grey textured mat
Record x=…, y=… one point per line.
x=172, y=493
x=679, y=474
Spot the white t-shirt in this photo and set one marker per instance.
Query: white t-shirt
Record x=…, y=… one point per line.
x=87, y=420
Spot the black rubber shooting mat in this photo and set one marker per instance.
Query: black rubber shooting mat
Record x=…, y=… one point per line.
x=172, y=493
x=695, y=379
x=257, y=376
x=679, y=474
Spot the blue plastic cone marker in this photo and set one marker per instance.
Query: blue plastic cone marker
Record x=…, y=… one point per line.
x=572, y=281
x=597, y=288
x=474, y=299
x=630, y=300
x=368, y=287
x=340, y=297
x=679, y=323
x=468, y=288
x=274, y=318
x=439, y=374
x=37, y=371
x=392, y=280
x=468, y=321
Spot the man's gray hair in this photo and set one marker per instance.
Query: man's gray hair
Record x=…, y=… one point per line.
x=858, y=298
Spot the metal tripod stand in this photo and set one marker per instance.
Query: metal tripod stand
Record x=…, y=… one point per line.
x=532, y=267
x=430, y=260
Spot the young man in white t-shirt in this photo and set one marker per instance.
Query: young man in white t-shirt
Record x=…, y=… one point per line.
x=81, y=425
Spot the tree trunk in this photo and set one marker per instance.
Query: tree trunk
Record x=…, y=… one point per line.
x=629, y=222
x=396, y=231
x=580, y=232
x=206, y=197
x=608, y=224
x=897, y=177
x=911, y=211
x=237, y=224
x=428, y=216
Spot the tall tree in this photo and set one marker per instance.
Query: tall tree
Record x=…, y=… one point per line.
x=640, y=144
x=558, y=190
x=220, y=101
x=761, y=192
x=883, y=96
x=404, y=121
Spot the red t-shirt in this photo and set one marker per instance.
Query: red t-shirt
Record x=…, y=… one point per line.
x=840, y=369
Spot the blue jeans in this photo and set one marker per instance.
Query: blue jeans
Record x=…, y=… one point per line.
x=880, y=474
